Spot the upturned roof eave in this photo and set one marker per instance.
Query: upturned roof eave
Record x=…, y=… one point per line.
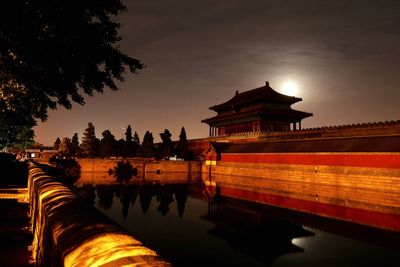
x=265, y=92
x=228, y=104
x=294, y=114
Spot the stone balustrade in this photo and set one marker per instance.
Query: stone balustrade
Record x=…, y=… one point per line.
x=69, y=232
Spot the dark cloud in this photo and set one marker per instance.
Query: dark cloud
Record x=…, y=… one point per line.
x=343, y=53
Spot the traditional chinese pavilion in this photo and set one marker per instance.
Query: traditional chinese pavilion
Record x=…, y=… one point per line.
x=258, y=110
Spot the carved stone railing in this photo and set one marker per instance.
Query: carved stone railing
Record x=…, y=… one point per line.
x=69, y=232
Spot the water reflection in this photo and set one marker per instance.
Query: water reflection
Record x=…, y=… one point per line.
x=205, y=226
x=87, y=192
x=128, y=194
x=252, y=231
x=123, y=171
x=106, y=196
x=242, y=227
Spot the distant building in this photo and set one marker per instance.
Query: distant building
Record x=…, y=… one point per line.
x=32, y=153
x=37, y=153
x=258, y=110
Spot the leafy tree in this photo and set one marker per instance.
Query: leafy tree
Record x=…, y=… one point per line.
x=89, y=143
x=55, y=52
x=107, y=144
x=182, y=148
x=74, y=145
x=65, y=147
x=147, y=147
x=167, y=146
x=15, y=128
x=57, y=143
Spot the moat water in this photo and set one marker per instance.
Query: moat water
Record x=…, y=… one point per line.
x=192, y=225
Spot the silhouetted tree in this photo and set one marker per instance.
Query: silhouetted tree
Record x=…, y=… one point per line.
x=89, y=141
x=75, y=145
x=121, y=148
x=147, y=147
x=57, y=143
x=136, y=138
x=52, y=52
x=167, y=146
x=107, y=144
x=128, y=134
x=182, y=148
x=128, y=150
x=136, y=143
x=65, y=147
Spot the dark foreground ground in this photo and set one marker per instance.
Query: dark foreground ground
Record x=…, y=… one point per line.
x=15, y=237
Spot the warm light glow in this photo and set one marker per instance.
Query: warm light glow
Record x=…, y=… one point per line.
x=290, y=88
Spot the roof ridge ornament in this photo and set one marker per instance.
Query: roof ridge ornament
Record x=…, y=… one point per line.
x=266, y=83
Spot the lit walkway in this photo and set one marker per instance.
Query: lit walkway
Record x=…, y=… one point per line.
x=15, y=236
x=18, y=194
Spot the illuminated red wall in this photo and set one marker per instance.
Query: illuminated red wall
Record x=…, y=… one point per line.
x=373, y=160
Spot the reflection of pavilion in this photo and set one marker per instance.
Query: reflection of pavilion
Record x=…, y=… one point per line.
x=251, y=230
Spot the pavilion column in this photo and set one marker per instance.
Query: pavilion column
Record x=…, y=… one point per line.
x=209, y=131
x=299, y=125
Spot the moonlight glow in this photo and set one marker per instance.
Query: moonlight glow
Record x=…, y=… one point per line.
x=290, y=88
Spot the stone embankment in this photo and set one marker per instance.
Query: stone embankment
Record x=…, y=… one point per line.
x=69, y=232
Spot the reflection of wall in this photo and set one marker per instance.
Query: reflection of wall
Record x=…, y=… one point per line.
x=246, y=225
x=305, y=186
x=96, y=171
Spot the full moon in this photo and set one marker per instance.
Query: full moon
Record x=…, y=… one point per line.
x=290, y=88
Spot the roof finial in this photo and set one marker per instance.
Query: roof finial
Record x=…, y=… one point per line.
x=266, y=83
x=237, y=92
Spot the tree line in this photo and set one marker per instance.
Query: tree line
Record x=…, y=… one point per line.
x=130, y=146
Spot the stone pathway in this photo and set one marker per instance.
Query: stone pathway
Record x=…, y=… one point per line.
x=15, y=235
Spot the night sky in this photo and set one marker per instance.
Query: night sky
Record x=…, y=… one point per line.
x=343, y=55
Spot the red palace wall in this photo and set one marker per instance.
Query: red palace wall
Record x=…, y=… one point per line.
x=372, y=160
